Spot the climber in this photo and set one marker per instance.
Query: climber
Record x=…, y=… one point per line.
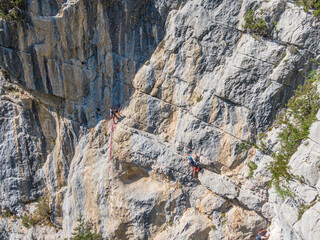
x=194, y=164
x=112, y=114
x=117, y=111
x=262, y=235
x=197, y=160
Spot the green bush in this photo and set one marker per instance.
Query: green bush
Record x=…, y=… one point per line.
x=7, y=214
x=252, y=166
x=199, y=98
x=295, y=122
x=28, y=221
x=84, y=231
x=245, y=145
x=147, y=63
x=255, y=24
x=260, y=143
x=11, y=9
x=213, y=227
x=310, y=4
x=42, y=213
x=284, y=191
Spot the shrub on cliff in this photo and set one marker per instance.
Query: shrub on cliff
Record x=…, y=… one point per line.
x=43, y=211
x=84, y=231
x=11, y=9
x=28, y=221
x=41, y=215
x=295, y=121
x=255, y=24
x=310, y=4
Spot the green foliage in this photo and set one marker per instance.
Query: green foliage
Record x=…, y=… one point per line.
x=255, y=24
x=42, y=213
x=53, y=141
x=28, y=221
x=11, y=9
x=260, y=143
x=310, y=4
x=213, y=227
x=199, y=98
x=7, y=214
x=245, y=145
x=301, y=179
x=84, y=231
x=304, y=208
x=252, y=166
x=284, y=191
x=301, y=211
x=295, y=121
x=147, y=63
x=282, y=57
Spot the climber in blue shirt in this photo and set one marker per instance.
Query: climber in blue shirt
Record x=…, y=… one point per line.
x=193, y=163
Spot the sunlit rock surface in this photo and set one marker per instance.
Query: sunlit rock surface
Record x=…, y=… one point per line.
x=185, y=74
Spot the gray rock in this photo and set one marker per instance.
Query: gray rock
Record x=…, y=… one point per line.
x=218, y=184
x=192, y=77
x=309, y=228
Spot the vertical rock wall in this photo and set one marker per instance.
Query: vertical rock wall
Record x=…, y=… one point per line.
x=187, y=72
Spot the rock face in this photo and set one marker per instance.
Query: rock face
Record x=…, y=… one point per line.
x=188, y=78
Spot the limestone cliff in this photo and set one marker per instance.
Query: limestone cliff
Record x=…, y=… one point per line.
x=188, y=77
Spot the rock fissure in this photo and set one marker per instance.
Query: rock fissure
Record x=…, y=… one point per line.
x=184, y=109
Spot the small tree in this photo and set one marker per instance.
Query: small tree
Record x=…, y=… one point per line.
x=84, y=231
x=43, y=211
x=11, y=9
x=255, y=24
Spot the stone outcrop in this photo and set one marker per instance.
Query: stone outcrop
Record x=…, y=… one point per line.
x=186, y=75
